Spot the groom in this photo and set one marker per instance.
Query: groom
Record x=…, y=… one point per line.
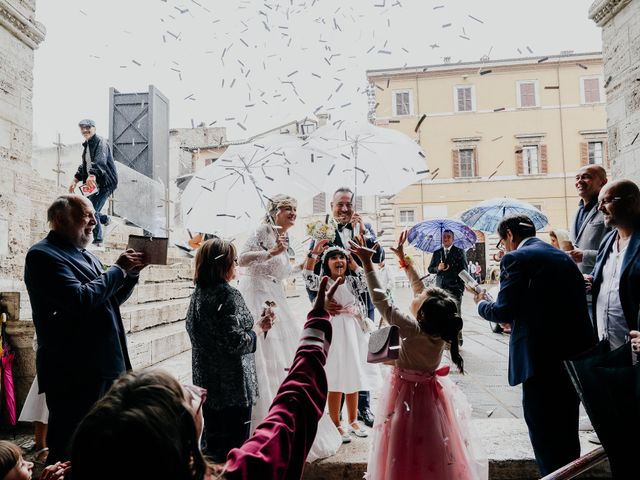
x=350, y=223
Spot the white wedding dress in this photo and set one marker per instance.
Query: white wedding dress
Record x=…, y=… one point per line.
x=262, y=279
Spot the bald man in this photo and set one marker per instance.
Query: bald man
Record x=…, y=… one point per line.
x=616, y=275
x=75, y=303
x=588, y=228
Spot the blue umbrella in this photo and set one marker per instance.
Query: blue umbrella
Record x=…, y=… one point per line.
x=427, y=235
x=487, y=215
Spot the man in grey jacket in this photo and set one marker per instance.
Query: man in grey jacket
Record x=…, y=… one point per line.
x=588, y=228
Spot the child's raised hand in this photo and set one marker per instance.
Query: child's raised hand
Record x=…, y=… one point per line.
x=399, y=250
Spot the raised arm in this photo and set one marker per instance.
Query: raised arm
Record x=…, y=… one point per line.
x=280, y=444
x=405, y=263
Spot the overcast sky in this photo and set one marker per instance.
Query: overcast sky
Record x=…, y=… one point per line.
x=251, y=65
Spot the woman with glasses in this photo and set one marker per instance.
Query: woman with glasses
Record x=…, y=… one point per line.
x=223, y=339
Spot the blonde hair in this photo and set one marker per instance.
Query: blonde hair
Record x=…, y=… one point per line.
x=563, y=238
x=277, y=202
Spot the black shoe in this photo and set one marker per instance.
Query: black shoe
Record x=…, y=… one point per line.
x=366, y=417
x=105, y=219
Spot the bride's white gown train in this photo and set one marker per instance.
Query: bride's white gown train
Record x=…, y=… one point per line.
x=262, y=280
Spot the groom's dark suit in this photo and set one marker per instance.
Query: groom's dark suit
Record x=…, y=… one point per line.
x=542, y=295
x=81, y=340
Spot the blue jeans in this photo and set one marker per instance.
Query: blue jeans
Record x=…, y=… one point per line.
x=98, y=200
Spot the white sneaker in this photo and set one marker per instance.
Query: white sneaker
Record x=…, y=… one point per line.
x=346, y=438
x=357, y=430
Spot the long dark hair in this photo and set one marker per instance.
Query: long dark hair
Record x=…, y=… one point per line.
x=329, y=255
x=438, y=316
x=145, y=424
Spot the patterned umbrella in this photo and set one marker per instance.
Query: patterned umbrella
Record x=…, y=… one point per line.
x=487, y=215
x=427, y=235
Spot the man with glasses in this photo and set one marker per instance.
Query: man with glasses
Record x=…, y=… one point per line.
x=541, y=291
x=98, y=173
x=616, y=275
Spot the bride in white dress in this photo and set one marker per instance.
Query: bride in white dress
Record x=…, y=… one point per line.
x=265, y=259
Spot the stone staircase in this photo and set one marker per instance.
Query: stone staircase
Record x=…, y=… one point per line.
x=154, y=315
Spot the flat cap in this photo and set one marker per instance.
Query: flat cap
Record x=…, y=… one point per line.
x=87, y=122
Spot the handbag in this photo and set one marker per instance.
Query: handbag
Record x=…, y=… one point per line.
x=384, y=344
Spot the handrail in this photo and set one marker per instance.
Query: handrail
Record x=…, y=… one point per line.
x=578, y=466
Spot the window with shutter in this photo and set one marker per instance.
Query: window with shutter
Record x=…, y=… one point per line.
x=591, y=88
x=320, y=203
x=527, y=94
x=455, y=163
x=584, y=154
x=519, y=162
x=595, y=153
x=530, y=163
x=467, y=162
x=544, y=163
x=465, y=99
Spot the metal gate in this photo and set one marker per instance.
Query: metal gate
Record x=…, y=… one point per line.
x=139, y=135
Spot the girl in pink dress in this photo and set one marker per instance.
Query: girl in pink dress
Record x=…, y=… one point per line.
x=422, y=428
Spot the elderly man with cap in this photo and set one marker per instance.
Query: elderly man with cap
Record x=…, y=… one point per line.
x=97, y=171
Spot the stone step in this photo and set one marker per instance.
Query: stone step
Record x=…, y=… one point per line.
x=154, y=345
x=144, y=316
x=147, y=292
x=179, y=366
x=505, y=441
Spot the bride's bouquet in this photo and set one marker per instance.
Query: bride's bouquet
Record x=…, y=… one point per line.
x=322, y=230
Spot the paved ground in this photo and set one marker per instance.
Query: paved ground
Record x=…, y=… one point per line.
x=485, y=355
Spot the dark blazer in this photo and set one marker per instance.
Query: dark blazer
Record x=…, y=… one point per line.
x=588, y=237
x=76, y=312
x=449, y=279
x=223, y=342
x=542, y=295
x=102, y=164
x=629, y=276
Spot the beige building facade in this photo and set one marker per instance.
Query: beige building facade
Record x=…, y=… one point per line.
x=498, y=128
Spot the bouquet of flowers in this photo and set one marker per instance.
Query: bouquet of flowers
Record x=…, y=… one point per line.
x=322, y=230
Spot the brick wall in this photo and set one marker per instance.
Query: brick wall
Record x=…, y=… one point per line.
x=620, y=22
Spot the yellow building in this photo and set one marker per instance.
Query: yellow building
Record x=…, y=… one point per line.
x=516, y=128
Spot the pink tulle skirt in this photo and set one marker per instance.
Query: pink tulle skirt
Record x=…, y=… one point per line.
x=423, y=431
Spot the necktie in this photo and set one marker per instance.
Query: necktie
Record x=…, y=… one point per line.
x=348, y=226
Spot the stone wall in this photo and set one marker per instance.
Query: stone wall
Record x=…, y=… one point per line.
x=22, y=194
x=620, y=22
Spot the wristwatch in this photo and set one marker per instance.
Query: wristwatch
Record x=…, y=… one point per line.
x=312, y=255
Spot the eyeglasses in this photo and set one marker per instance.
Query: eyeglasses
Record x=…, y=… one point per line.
x=608, y=201
x=198, y=396
x=500, y=246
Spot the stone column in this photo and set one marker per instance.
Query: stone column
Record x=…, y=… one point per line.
x=20, y=35
x=620, y=22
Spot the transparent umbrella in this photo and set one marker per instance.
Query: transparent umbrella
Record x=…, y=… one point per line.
x=487, y=215
x=230, y=195
x=373, y=160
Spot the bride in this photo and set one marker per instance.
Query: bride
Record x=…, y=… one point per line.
x=265, y=259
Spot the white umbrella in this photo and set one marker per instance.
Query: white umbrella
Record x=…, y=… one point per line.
x=230, y=196
x=374, y=160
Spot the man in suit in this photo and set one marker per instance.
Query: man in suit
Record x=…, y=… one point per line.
x=616, y=275
x=447, y=262
x=541, y=291
x=76, y=302
x=588, y=228
x=98, y=170
x=349, y=225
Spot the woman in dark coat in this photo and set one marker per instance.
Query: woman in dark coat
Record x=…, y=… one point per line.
x=223, y=340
